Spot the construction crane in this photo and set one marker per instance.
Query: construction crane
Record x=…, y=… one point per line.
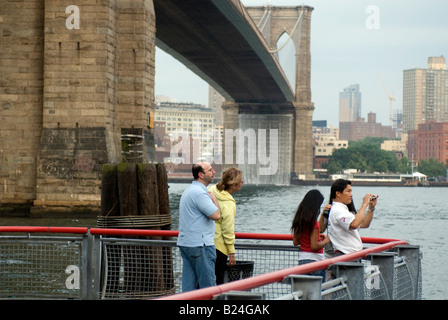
x=391, y=98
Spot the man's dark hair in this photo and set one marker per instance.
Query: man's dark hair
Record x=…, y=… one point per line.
x=338, y=185
x=196, y=169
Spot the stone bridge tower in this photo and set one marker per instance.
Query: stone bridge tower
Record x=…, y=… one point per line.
x=73, y=79
x=296, y=22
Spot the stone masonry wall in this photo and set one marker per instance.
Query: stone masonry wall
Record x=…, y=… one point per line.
x=21, y=85
x=73, y=74
x=303, y=151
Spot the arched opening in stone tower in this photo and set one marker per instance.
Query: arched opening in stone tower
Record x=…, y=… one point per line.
x=287, y=56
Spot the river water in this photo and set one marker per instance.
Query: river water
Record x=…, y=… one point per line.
x=415, y=214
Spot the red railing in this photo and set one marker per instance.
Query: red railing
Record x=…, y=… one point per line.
x=77, y=230
x=163, y=233
x=134, y=232
x=278, y=276
x=240, y=285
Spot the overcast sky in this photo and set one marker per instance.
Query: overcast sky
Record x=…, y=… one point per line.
x=351, y=42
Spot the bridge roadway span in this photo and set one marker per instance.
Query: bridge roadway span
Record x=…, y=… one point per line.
x=219, y=42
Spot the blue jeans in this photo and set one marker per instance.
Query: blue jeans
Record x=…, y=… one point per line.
x=198, y=270
x=315, y=273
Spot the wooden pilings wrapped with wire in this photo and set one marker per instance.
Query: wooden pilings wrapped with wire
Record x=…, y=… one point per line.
x=135, y=196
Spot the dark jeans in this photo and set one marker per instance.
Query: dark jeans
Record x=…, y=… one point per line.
x=320, y=273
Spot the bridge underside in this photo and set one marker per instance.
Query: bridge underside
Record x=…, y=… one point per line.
x=215, y=40
x=83, y=88
x=220, y=42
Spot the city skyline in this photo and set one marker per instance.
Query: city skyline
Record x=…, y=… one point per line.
x=352, y=42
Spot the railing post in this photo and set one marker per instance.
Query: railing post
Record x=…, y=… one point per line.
x=411, y=255
x=385, y=262
x=86, y=279
x=354, y=273
x=94, y=257
x=310, y=286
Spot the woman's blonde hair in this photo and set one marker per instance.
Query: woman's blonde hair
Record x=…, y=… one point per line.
x=229, y=178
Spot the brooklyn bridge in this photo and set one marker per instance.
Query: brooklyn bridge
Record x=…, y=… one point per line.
x=77, y=76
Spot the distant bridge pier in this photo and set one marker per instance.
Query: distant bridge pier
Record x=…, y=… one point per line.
x=303, y=142
x=304, y=107
x=276, y=141
x=258, y=140
x=230, y=118
x=273, y=23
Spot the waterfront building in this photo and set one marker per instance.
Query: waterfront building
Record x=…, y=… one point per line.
x=325, y=142
x=429, y=141
x=425, y=94
x=398, y=147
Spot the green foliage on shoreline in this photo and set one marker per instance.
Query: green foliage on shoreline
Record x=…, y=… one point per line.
x=366, y=156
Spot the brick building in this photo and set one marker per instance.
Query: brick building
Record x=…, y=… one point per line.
x=429, y=141
x=361, y=129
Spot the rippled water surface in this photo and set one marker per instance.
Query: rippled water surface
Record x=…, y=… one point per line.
x=418, y=215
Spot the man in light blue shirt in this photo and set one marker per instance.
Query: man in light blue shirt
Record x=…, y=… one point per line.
x=198, y=210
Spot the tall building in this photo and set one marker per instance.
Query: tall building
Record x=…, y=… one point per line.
x=350, y=104
x=397, y=123
x=425, y=94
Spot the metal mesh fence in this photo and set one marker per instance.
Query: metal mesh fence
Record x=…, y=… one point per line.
x=125, y=268
x=375, y=287
x=40, y=269
x=137, y=270
x=403, y=284
x=268, y=258
x=123, y=280
x=148, y=269
x=335, y=290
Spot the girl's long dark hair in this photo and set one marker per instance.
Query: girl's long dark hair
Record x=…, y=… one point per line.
x=307, y=212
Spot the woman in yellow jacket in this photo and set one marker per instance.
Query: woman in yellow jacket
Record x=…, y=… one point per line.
x=232, y=180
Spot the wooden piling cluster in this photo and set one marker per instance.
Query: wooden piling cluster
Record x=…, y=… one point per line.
x=135, y=196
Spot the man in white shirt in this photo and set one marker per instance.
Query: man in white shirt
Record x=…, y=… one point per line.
x=344, y=222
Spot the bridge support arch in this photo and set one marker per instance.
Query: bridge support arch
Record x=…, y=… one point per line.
x=257, y=139
x=273, y=22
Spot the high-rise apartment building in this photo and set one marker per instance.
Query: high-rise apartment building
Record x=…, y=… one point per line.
x=350, y=104
x=425, y=94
